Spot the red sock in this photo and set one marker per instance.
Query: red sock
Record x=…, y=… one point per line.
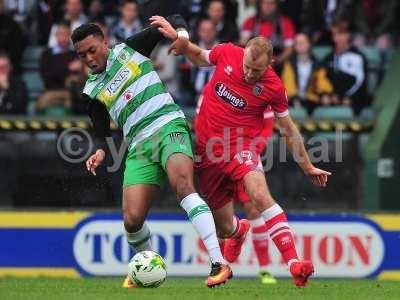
x=279, y=231
x=260, y=243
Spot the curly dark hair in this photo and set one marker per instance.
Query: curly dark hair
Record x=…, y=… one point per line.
x=84, y=31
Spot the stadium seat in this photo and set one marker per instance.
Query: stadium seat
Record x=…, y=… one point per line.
x=374, y=61
x=298, y=113
x=336, y=112
x=34, y=84
x=367, y=113
x=372, y=55
x=321, y=52
x=333, y=113
x=31, y=57
x=56, y=111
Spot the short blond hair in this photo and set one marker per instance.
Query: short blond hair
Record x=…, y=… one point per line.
x=259, y=46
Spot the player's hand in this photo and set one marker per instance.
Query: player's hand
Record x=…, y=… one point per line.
x=179, y=46
x=164, y=27
x=95, y=160
x=318, y=177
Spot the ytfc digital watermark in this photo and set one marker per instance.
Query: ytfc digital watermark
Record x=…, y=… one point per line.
x=75, y=145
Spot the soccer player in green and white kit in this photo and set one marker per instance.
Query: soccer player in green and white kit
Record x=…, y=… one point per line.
x=123, y=84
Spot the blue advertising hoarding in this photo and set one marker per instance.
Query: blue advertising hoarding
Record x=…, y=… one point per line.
x=75, y=244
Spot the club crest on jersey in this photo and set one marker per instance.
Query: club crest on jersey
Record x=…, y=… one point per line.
x=128, y=96
x=228, y=70
x=230, y=96
x=123, y=57
x=257, y=90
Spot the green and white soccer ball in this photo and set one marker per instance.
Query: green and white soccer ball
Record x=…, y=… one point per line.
x=147, y=269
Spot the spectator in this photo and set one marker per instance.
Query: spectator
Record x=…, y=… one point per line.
x=19, y=10
x=227, y=30
x=374, y=21
x=305, y=81
x=246, y=9
x=11, y=38
x=347, y=69
x=95, y=10
x=42, y=20
x=129, y=23
x=269, y=23
x=230, y=7
x=74, y=15
x=207, y=34
x=320, y=14
x=190, y=10
x=148, y=8
x=56, y=65
x=13, y=92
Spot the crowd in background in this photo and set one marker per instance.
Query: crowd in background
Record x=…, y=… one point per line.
x=295, y=28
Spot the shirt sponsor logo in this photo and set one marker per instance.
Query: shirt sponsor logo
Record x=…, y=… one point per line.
x=230, y=96
x=108, y=94
x=118, y=81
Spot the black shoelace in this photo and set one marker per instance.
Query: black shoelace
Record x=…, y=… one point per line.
x=215, y=268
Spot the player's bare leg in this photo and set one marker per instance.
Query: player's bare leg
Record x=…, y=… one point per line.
x=180, y=173
x=136, y=203
x=260, y=242
x=232, y=230
x=277, y=225
x=225, y=220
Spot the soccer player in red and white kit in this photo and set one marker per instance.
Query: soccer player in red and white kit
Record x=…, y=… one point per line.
x=258, y=227
x=235, y=99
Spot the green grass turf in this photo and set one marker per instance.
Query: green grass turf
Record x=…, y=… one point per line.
x=193, y=289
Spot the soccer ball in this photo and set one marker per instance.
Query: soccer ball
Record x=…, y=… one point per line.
x=147, y=269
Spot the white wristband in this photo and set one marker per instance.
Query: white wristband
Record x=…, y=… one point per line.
x=183, y=33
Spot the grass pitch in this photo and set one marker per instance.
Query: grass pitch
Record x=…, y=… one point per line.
x=193, y=289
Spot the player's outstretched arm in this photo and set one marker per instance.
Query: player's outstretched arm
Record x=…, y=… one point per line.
x=181, y=44
x=146, y=40
x=197, y=55
x=295, y=143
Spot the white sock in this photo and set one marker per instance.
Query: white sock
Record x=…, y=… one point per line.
x=271, y=212
x=140, y=240
x=257, y=222
x=200, y=215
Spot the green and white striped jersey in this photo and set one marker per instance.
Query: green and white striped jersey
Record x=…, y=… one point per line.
x=136, y=99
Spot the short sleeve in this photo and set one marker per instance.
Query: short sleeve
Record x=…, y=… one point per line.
x=279, y=103
x=216, y=52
